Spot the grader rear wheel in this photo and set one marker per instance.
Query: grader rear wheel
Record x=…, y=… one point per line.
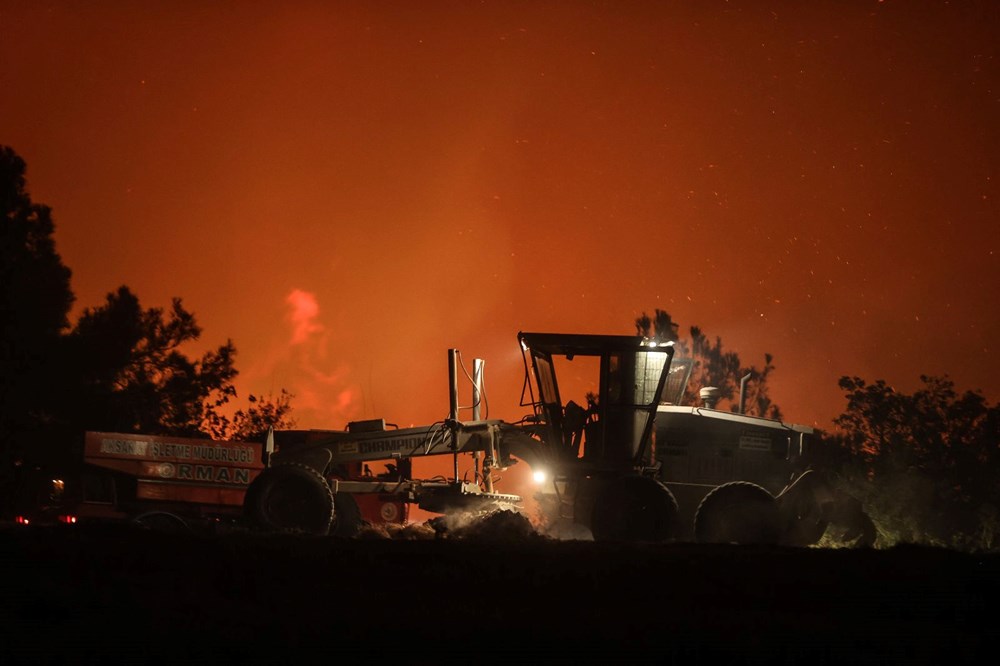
x=805, y=528
x=850, y=525
x=290, y=498
x=738, y=512
x=634, y=508
x=805, y=509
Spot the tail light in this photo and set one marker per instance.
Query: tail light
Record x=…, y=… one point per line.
x=69, y=520
x=22, y=520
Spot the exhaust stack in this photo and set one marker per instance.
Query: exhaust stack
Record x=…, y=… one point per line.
x=743, y=392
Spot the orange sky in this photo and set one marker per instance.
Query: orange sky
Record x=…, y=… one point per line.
x=347, y=190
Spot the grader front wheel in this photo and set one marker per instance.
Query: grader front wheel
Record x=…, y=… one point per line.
x=290, y=498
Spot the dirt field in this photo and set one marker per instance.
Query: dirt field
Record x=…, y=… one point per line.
x=118, y=594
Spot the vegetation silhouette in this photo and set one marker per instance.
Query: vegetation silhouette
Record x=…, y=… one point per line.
x=120, y=367
x=35, y=301
x=127, y=373
x=924, y=464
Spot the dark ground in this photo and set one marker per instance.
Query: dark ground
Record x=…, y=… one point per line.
x=100, y=594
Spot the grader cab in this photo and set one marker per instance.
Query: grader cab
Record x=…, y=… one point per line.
x=595, y=464
x=636, y=464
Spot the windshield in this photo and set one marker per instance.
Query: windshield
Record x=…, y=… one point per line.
x=677, y=381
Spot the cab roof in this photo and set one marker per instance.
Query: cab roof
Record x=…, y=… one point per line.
x=583, y=344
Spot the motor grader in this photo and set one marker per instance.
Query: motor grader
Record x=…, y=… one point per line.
x=634, y=464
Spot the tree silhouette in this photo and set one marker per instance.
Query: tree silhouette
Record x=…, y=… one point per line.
x=660, y=327
x=120, y=368
x=35, y=299
x=127, y=372
x=252, y=424
x=131, y=375
x=713, y=366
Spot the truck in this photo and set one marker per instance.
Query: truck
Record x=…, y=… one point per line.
x=150, y=480
x=633, y=464
x=154, y=481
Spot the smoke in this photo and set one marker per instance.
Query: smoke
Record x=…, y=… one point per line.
x=323, y=390
x=303, y=315
x=302, y=362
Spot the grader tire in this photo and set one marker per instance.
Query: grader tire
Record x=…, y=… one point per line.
x=634, y=508
x=857, y=530
x=805, y=507
x=805, y=530
x=738, y=512
x=290, y=498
